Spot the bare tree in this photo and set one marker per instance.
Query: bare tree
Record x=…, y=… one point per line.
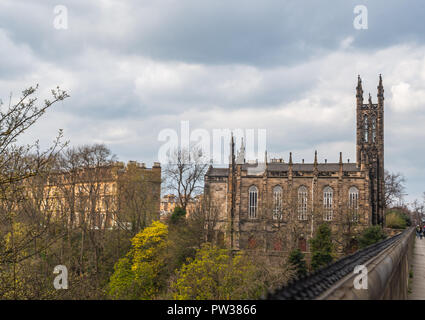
x=185, y=173
x=203, y=221
x=23, y=229
x=394, y=188
x=20, y=162
x=417, y=211
x=138, y=203
x=89, y=204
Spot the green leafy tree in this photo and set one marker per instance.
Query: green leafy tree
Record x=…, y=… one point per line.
x=395, y=221
x=178, y=214
x=297, y=261
x=370, y=236
x=321, y=247
x=397, y=218
x=215, y=274
x=140, y=274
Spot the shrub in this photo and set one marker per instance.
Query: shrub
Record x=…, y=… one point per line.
x=215, y=274
x=177, y=215
x=321, y=247
x=140, y=274
x=370, y=236
x=297, y=261
x=395, y=220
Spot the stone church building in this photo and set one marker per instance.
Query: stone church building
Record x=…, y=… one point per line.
x=280, y=207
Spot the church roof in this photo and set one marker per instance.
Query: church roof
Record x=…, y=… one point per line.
x=277, y=166
x=217, y=172
x=310, y=167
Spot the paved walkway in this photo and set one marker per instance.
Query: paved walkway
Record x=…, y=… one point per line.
x=418, y=266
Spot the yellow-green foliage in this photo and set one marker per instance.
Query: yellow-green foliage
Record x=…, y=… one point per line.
x=19, y=235
x=16, y=278
x=214, y=274
x=139, y=274
x=395, y=221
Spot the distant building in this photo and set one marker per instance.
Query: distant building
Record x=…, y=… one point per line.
x=96, y=196
x=193, y=204
x=168, y=203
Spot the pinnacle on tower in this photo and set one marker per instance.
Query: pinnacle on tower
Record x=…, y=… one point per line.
x=315, y=157
x=380, y=88
x=359, y=88
x=290, y=158
x=232, y=150
x=241, y=154
x=340, y=158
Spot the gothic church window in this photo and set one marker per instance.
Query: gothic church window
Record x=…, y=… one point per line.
x=366, y=129
x=373, y=129
x=353, y=203
x=302, y=203
x=327, y=203
x=277, y=202
x=253, y=202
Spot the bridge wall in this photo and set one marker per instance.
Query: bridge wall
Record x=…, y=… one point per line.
x=388, y=275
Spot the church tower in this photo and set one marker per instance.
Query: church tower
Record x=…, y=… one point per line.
x=370, y=147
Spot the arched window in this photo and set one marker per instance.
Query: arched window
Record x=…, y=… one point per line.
x=353, y=203
x=302, y=203
x=302, y=244
x=366, y=128
x=327, y=203
x=253, y=202
x=373, y=129
x=277, y=202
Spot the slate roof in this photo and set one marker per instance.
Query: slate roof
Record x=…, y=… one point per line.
x=217, y=172
x=278, y=166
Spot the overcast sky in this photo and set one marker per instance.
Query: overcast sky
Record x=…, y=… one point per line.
x=134, y=68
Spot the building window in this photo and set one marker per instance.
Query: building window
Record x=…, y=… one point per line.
x=277, y=202
x=353, y=203
x=302, y=203
x=253, y=202
x=302, y=244
x=373, y=129
x=252, y=243
x=278, y=244
x=327, y=203
x=366, y=129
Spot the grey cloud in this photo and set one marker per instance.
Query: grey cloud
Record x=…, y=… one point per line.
x=211, y=32
x=136, y=67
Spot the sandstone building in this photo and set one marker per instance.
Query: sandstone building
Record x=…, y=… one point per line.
x=103, y=197
x=167, y=206
x=280, y=207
